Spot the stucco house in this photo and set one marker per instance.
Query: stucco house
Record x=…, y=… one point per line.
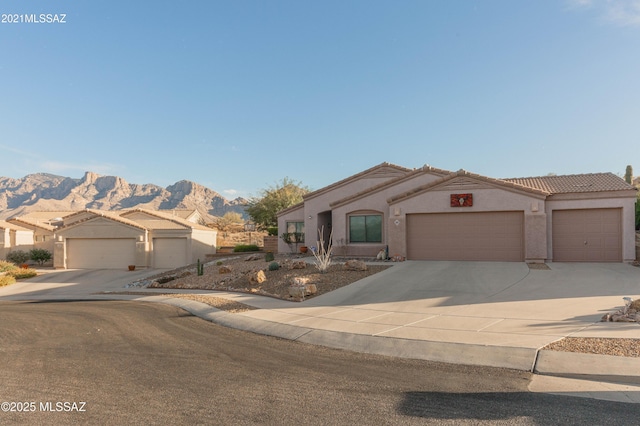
x=434, y=214
x=14, y=237
x=144, y=238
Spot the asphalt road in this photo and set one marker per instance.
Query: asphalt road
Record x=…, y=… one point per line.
x=114, y=362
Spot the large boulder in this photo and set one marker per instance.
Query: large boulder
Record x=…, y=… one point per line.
x=355, y=265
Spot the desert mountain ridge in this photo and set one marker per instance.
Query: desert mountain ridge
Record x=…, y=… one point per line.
x=48, y=192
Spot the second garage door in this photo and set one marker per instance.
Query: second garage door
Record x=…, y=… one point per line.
x=494, y=236
x=593, y=235
x=169, y=252
x=100, y=253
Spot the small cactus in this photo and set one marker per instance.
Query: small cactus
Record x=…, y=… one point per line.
x=269, y=257
x=274, y=266
x=200, y=268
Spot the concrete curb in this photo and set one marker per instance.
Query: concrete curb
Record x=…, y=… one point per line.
x=607, y=368
x=453, y=353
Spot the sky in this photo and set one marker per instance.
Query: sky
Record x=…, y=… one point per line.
x=237, y=95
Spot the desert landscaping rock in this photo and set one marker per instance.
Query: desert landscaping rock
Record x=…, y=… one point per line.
x=277, y=283
x=355, y=265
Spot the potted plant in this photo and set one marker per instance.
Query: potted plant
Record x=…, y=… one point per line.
x=132, y=267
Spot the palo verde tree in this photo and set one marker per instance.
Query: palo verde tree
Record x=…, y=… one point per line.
x=286, y=193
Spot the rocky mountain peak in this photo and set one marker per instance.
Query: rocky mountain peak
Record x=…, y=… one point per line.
x=43, y=191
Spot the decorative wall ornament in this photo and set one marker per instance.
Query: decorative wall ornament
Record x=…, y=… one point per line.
x=461, y=200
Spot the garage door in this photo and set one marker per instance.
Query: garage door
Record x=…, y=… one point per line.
x=169, y=252
x=593, y=235
x=100, y=253
x=496, y=236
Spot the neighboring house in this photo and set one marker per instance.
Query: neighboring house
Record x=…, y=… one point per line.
x=144, y=238
x=435, y=214
x=14, y=237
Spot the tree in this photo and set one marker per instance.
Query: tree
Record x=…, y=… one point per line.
x=628, y=175
x=40, y=255
x=286, y=193
x=228, y=220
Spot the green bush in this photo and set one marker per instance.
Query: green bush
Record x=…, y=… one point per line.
x=7, y=266
x=241, y=248
x=20, y=274
x=274, y=266
x=40, y=255
x=6, y=280
x=269, y=257
x=219, y=262
x=18, y=257
x=272, y=231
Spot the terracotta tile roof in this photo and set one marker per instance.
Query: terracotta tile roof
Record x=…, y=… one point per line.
x=514, y=186
x=100, y=213
x=29, y=221
x=409, y=175
x=166, y=216
x=594, y=182
x=8, y=225
x=371, y=171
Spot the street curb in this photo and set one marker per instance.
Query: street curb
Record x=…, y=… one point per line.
x=452, y=353
x=606, y=368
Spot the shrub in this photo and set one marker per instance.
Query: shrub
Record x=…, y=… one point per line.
x=272, y=231
x=6, y=280
x=7, y=266
x=18, y=257
x=274, y=266
x=269, y=257
x=40, y=255
x=219, y=262
x=241, y=248
x=20, y=274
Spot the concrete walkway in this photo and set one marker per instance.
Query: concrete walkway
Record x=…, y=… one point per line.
x=482, y=313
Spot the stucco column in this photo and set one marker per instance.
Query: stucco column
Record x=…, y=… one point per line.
x=535, y=237
x=397, y=236
x=59, y=254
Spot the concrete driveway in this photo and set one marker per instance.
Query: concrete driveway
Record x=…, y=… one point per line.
x=478, y=304
x=72, y=283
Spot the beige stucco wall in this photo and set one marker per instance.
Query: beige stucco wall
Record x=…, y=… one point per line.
x=373, y=203
x=101, y=227
x=485, y=199
x=604, y=200
x=202, y=243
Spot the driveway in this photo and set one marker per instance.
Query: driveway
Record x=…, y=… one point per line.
x=72, y=283
x=482, y=305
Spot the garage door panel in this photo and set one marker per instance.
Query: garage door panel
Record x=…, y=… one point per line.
x=100, y=253
x=466, y=236
x=593, y=235
x=170, y=252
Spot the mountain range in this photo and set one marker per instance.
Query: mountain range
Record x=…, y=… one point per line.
x=48, y=192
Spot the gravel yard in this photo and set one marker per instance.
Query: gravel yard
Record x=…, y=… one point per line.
x=237, y=273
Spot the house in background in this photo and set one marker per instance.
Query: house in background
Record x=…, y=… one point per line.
x=97, y=239
x=435, y=214
x=14, y=237
x=145, y=238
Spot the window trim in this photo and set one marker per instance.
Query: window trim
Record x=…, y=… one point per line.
x=366, y=214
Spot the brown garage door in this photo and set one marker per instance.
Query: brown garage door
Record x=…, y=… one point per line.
x=593, y=235
x=496, y=236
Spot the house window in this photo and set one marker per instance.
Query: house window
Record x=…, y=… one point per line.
x=365, y=228
x=296, y=231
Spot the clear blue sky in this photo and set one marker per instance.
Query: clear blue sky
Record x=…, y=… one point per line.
x=236, y=95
